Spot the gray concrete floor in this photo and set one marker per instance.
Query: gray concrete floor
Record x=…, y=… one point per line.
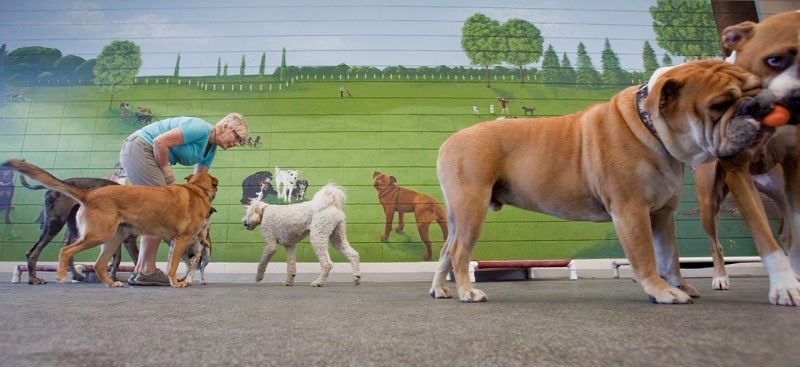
x=589, y=322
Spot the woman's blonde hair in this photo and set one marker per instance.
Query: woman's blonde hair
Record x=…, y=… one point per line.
x=236, y=122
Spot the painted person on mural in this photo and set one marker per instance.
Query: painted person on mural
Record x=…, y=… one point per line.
x=148, y=155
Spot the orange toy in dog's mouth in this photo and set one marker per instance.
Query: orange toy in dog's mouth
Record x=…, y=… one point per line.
x=778, y=117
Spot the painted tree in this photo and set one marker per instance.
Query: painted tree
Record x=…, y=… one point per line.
x=225, y=70
x=116, y=67
x=219, y=66
x=550, y=66
x=263, y=64
x=567, y=73
x=686, y=28
x=283, y=64
x=177, y=71
x=585, y=73
x=666, y=60
x=649, y=60
x=481, y=40
x=241, y=68
x=612, y=69
x=524, y=42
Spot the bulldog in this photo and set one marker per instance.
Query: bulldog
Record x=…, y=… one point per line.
x=771, y=50
x=620, y=161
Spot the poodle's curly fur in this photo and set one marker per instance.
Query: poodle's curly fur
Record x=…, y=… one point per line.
x=322, y=218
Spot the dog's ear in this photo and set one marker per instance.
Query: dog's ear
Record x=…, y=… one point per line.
x=663, y=96
x=214, y=181
x=375, y=174
x=393, y=179
x=735, y=36
x=188, y=178
x=212, y=211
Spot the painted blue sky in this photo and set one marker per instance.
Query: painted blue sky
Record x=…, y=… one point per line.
x=359, y=32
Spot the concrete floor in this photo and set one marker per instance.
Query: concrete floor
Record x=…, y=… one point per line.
x=589, y=322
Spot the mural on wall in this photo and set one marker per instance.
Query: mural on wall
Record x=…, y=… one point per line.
x=334, y=93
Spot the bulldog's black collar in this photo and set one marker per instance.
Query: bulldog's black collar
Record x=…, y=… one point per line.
x=641, y=94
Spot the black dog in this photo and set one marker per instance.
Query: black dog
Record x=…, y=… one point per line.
x=299, y=191
x=527, y=110
x=60, y=209
x=257, y=185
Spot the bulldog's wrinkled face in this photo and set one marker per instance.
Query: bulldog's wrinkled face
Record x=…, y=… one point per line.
x=706, y=110
x=253, y=214
x=771, y=50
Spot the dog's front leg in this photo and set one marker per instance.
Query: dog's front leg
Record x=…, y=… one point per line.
x=784, y=288
x=180, y=244
x=635, y=234
x=291, y=265
x=270, y=246
x=666, y=250
x=401, y=222
x=388, y=210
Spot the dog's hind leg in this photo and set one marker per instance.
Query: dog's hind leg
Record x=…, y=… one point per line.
x=424, y=235
x=291, y=265
x=70, y=237
x=50, y=229
x=319, y=242
x=401, y=223
x=109, y=249
x=270, y=246
x=339, y=241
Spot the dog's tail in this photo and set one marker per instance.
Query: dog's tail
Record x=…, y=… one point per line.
x=46, y=179
x=328, y=196
x=29, y=186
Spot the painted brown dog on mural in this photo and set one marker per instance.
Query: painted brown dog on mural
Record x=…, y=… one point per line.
x=394, y=198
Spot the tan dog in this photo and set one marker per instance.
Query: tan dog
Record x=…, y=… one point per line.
x=174, y=212
x=394, y=198
x=621, y=161
x=769, y=49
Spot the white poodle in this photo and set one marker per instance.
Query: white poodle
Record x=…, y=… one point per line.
x=322, y=218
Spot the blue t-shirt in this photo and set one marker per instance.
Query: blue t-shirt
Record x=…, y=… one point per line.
x=196, y=133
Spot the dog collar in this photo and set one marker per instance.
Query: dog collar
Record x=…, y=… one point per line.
x=641, y=94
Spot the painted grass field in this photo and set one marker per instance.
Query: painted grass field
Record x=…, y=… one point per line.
x=391, y=126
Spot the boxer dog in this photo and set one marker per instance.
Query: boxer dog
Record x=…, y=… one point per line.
x=173, y=212
x=771, y=50
x=620, y=161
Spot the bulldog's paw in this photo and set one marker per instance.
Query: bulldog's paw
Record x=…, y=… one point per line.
x=440, y=292
x=317, y=283
x=357, y=279
x=36, y=281
x=670, y=295
x=384, y=238
x=259, y=277
x=177, y=284
x=785, y=293
x=289, y=282
x=474, y=295
x=689, y=289
x=721, y=283
x=115, y=284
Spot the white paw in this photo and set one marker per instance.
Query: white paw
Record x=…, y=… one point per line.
x=721, y=283
x=317, y=283
x=116, y=284
x=785, y=293
x=440, y=292
x=474, y=295
x=671, y=295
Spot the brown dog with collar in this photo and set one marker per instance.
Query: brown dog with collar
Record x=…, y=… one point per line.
x=771, y=50
x=173, y=212
x=394, y=198
x=621, y=161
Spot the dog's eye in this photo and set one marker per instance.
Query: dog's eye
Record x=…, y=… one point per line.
x=778, y=62
x=722, y=106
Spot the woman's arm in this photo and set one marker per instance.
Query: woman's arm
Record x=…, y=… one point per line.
x=161, y=145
